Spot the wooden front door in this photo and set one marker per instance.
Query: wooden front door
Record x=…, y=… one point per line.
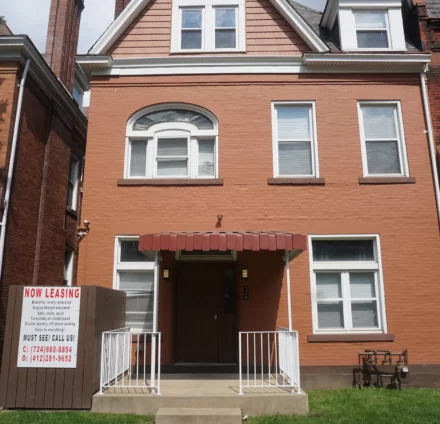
x=206, y=328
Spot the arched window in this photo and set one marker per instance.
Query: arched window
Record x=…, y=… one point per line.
x=172, y=141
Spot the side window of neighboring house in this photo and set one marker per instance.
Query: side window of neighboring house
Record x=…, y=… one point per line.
x=382, y=139
x=294, y=140
x=172, y=142
x=72, y=184
x=134, y=274
x=347, y=286
x=218, y=26
x=68, y=267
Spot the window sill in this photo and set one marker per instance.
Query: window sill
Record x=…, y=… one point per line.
x=71, y=212
x=387, y=180
x=219, y=51
x=367, y=337
x=296, y=181
x=171, y=182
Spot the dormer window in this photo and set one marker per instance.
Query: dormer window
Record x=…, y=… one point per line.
x=370, y=26
x=213, y=27
x=371, y=29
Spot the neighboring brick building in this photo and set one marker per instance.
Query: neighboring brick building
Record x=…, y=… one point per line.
x=429, y=27
x=213, y=123
x=44, y=132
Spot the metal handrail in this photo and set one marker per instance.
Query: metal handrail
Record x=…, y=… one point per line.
x=271, y=360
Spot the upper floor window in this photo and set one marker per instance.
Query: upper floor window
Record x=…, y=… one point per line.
x=72, y=184
x=294, y=139
x=218, y=26
x=382, y=139
x=347, y=287
x=172, y=142
x=376, y=28
x=371, y=28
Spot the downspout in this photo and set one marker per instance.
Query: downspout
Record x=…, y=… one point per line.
x=12, y=164
x=430, y=140
x=289, y=299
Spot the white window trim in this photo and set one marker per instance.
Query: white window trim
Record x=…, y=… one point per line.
x=74, y=165
x=361, y=266
x=69, y=270
x=403, y=158
x=129, y=266
x=314, y=141
x=170, y=129
x=208, y=24
x=347, y=25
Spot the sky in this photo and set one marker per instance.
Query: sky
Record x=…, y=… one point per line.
x=96, y=17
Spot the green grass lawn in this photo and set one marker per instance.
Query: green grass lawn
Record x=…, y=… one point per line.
x=350, y=406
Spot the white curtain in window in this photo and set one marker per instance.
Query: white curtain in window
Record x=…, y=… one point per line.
x=328, y=285
x=362, y=285
x=364, y=314
x=206, y=158
x=295, y=158
x=381, y=139
x=138, y=160
x=136, y=280
x=379, y=121
x=330, y=315
x=172, y=157
x=138, y=286
x=293, y=122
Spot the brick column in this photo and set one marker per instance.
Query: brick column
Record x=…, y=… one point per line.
x=62, y=38
x=120, y=5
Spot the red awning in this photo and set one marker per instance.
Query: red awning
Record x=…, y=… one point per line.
x=222, y=241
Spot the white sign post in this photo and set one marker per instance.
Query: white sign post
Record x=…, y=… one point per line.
x=49, y=327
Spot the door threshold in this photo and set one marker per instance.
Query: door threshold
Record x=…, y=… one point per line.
x=202, y=364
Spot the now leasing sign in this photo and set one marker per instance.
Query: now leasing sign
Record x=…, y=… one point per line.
x=49, y=327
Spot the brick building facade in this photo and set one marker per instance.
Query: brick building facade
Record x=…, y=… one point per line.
x=163, y=71
x=42, y=142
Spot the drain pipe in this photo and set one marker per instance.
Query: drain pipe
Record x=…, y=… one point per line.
x=12, y=164
x=430, y=140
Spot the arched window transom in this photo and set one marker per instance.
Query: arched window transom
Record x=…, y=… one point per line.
x=201, y=121
x=172, y=142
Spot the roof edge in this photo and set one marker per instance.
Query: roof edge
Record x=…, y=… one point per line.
x=118, y=26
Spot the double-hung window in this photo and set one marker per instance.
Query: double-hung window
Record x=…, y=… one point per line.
x=72, y=184
x=191, y=28
x=347, y=290
x=382, y=139
x=172, y=143
x=214, y=26
x=294, y=140
x=134, y=274
x=372, y=29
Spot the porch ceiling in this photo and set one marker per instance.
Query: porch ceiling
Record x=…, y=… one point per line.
x=222, y=241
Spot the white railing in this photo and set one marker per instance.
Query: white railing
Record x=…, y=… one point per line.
x=124, y=360
x=269, y=359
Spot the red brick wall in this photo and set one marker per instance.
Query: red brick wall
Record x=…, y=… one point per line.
x=38, y=228
x=404, y=215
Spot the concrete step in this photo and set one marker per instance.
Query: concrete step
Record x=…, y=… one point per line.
x=198, y=416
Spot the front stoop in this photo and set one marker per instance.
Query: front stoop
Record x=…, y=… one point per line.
x=249, y=404
x=199, y=416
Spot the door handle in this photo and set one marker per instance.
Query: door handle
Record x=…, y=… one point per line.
x=215, y=317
